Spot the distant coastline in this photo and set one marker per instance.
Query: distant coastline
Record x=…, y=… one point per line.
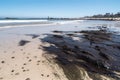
x=106, y=16
x=83, y=18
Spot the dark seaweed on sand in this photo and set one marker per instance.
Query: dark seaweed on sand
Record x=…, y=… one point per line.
x=56, y=31
x=23, y=42
x=96, y=53
x=33, y=35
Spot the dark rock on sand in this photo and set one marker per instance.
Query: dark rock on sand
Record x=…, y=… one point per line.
x=2, y=62
x=27, y=79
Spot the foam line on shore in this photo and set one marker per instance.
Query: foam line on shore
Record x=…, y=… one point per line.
x=68, y=22
x=21, y=21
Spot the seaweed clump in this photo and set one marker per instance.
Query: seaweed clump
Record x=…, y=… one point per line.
x=23, y=42
x=93, y=53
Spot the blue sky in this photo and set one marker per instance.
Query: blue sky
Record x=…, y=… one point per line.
x=57, y=8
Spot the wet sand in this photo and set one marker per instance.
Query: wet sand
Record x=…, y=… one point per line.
x=61, y=55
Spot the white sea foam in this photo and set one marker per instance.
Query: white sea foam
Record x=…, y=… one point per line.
x=24, y=23
x=21, y=21
x=69, y=21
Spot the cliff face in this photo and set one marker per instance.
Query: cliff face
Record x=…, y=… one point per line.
x=85, y=55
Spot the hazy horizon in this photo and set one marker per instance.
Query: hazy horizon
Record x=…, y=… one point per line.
x=56, y=8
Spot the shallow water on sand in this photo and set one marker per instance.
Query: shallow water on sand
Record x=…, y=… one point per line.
x=75, y=26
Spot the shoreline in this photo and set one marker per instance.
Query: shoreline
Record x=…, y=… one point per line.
x=21, y=23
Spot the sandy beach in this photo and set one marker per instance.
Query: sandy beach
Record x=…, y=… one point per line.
x=81, y=50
